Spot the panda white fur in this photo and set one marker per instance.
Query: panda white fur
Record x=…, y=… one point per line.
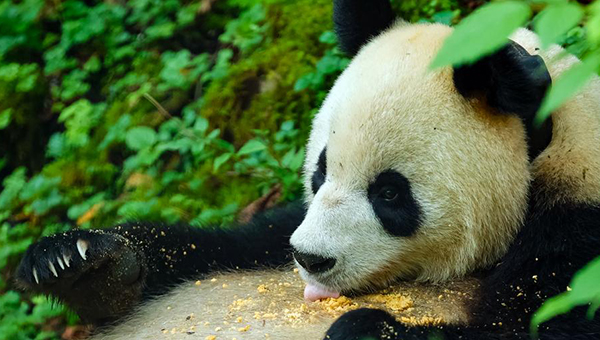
x=434, y=179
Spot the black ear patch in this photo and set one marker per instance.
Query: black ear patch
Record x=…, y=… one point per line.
x=356, y=21
x=394, y=204
x=318, y=177
x=512, y=81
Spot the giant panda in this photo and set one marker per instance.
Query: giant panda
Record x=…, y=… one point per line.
x=417, y=182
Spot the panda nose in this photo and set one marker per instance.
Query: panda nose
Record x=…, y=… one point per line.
x=314, y=263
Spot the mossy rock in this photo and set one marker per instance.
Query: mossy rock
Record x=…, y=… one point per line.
x=258, y=92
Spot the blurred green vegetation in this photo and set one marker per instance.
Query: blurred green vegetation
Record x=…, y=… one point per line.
x=166, y=110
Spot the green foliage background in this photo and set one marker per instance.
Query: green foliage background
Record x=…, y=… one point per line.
x=164, y=110
x=174, y=111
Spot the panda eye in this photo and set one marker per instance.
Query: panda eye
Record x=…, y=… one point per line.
x=318, y=177
x=394, y=204
x=389, y=193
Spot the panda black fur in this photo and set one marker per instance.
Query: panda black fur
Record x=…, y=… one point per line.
x=410, y=175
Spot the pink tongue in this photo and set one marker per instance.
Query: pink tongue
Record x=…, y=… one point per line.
x=313, y=293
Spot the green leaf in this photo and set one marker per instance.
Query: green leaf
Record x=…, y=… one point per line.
x=201, y=124
x=221, y=160
x=93, y=64
x=555, y=20
x=79, y=118
x=140, y=137
x=5, y=118
x=481, y=33
x=444, y=17
x=584, y=289
x=304, y=82
x=13, y=184
x=329, y=64
x=251, y=146
x=554, y=306
x=161, y=31
x=328, y=37
x=567, y=85
x=593, y=23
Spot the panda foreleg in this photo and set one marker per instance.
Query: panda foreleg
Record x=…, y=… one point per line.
x=375, y=324
x=104, y=274
x=370, y=324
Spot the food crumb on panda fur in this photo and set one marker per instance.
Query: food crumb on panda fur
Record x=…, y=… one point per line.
x=244, y=329
x=211, y=337
x=262, y=289
x=341, y=304
x=197, y=283
x=422, y=321
x=395, y=302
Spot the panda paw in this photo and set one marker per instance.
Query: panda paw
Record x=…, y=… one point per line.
x=62, y=259
x=368, y=323
x=84, y=269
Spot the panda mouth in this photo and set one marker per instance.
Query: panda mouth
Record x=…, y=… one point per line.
x=314, y=292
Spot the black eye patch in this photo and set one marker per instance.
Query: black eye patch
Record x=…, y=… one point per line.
x=394, y=204
x=318, y=177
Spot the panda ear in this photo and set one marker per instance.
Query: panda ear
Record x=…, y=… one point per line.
x=356, y=21
x=512, y=81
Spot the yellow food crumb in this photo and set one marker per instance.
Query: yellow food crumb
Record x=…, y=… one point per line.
x=423, y=321
x=296, y=270
x=239, y=319
x=211, y=337
x=335, y=306
x=193, y=246
x=395, y=302
x=197, y=283
x=244, y=329
x=213, y=279
x=240, y=304
x=225, y=285
x=262, y=289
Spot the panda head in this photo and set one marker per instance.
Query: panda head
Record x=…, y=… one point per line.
x=411, y=173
